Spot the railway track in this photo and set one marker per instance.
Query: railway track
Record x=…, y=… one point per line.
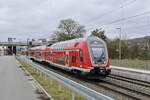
x=128, y=89
x=131, y=80
x=117, y=87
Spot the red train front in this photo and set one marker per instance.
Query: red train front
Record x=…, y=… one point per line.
x=88, y=56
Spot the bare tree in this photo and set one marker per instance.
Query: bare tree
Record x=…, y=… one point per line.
x=69, y=29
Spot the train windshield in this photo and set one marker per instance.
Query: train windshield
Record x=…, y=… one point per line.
x=98, y=52
x=98, y=55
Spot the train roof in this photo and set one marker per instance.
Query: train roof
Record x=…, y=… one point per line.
x=64, y=44
x=38, y=47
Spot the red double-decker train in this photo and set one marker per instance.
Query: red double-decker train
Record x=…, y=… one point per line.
x=88, y=56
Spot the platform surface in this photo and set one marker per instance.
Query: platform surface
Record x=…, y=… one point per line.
x=131, y=69
x=14, y=85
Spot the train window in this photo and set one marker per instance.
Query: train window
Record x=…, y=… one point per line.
x=76, y=44
x=60, y=61
x=32, y=53
x=73, y=59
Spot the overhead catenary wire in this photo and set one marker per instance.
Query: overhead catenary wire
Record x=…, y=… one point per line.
x=129, y=17
x=126, y=18
x=139, y=27
x=131, y=29
x=121, y=6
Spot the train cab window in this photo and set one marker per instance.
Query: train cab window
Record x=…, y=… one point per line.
x=98, y=55
x=73, y=59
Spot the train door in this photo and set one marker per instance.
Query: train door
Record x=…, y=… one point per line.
x=67, y=58
x=50, y=58
x=80, y=58
x=74, y=58
x=46, y=54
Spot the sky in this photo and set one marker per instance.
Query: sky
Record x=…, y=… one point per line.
x=22, y=19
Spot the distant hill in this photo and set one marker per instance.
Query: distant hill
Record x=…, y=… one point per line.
x=141, y=42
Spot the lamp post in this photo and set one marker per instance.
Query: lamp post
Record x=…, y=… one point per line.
x=119, y=43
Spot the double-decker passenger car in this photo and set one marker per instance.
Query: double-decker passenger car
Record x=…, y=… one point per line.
x=88, y=56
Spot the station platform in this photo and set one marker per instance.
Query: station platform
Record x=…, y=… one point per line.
x=14, y=85
x=131, y=70
x=143, y=75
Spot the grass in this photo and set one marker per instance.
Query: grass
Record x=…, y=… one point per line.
x=137, y=64
x=53, y=87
